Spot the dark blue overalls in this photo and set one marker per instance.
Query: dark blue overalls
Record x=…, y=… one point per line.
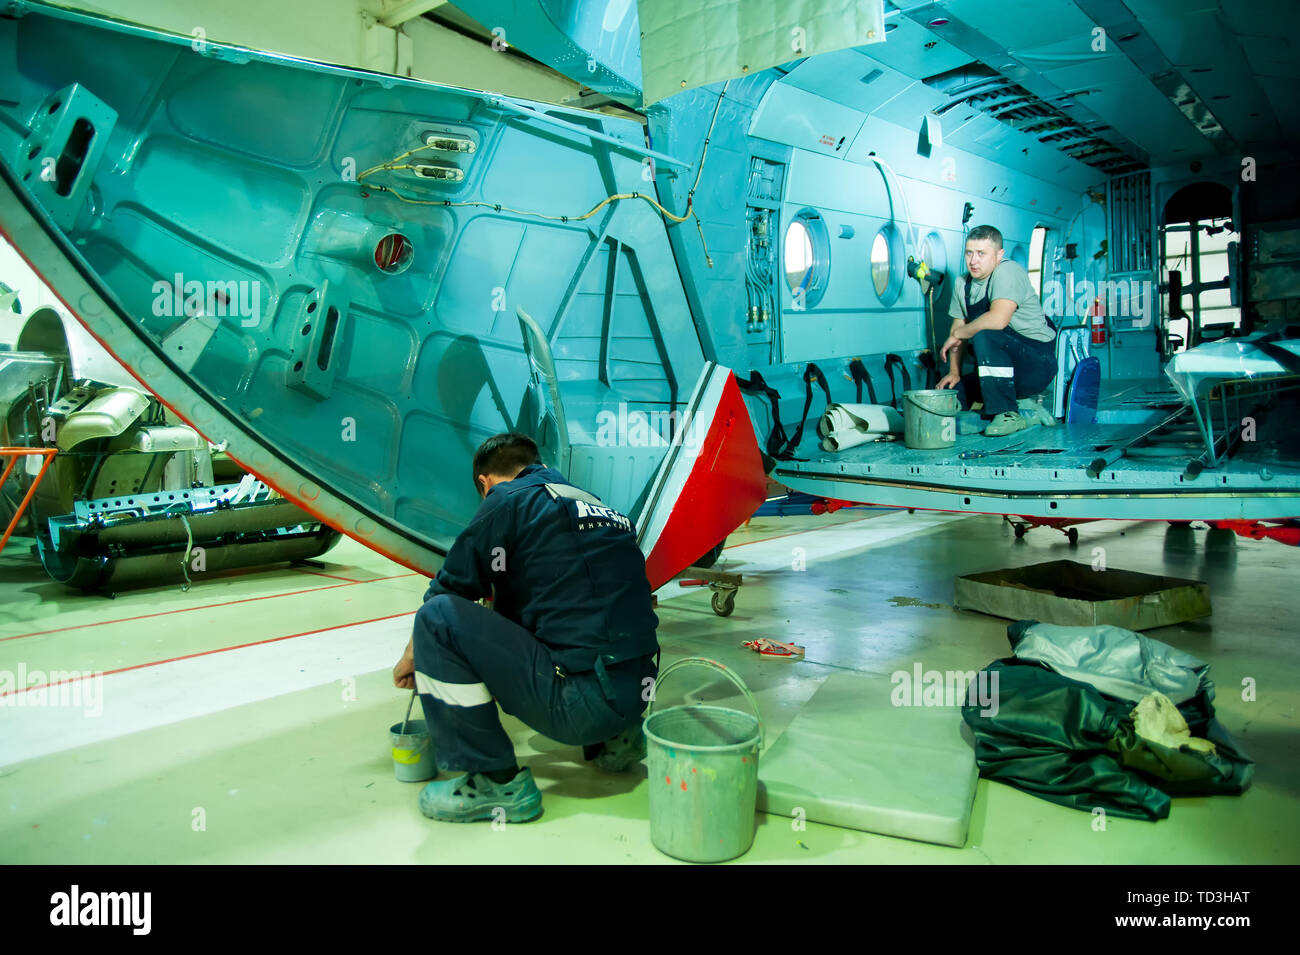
x=569, y=647
x=1011, y=365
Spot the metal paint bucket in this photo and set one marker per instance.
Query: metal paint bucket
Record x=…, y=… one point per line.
x=703, y=767
x=413, y=760
x=930, y=419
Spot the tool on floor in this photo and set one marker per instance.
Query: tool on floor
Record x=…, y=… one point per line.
x=413, y=760
x=703, y=763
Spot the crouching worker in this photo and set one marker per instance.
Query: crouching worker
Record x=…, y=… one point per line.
x=999, y=314
x=569, y=648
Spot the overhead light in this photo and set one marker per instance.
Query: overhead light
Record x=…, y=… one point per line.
x=1128, y=36
x=939, y=22
x=444, y=172
x=446, y=142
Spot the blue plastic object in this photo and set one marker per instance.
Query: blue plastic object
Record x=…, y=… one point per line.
x=1085, y=391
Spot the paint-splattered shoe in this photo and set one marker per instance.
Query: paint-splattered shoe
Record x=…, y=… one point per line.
x=1009, y=422
x=623, y=751
x=474, y=796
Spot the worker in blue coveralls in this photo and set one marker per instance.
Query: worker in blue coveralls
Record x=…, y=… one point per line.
x=569, y=647
x=1000, y=315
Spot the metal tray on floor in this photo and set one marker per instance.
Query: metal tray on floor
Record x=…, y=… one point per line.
x=1073, y=594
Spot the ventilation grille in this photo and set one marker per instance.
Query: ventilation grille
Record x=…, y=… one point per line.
x=986, y=90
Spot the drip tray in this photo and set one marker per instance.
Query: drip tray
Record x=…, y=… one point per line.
x=1074, y=595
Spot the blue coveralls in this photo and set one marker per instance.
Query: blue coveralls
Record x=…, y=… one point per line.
x=570, y=646
x=1011, y=365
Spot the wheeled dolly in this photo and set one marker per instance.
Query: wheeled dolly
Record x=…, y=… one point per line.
x=723, y=585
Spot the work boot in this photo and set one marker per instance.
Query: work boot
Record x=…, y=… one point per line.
x=623, y=751
x=1009, y=422
x=474, y=796
x=1036, y=413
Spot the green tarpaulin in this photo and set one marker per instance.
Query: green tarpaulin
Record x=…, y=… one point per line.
x=1065, y=740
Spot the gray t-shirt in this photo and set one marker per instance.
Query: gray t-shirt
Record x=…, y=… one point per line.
x=1009, y=280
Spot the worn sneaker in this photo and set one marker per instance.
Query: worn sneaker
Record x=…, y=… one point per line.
x=474, y=796
x=623, y=751
x=1036, y=413
x=1009, y=422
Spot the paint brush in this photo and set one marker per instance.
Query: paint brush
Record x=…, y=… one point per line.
x=407, y=718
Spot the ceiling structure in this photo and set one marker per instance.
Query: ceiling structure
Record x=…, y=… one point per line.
x=1160, y=81
x=1117, y=85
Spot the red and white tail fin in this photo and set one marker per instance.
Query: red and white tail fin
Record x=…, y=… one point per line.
x=710, y=482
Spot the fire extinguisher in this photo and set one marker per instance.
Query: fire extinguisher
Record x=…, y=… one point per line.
x=1098, y=313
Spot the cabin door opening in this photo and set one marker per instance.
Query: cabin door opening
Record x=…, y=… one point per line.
x=1199, y=243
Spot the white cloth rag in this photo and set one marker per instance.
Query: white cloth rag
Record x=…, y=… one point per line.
x=846, y=426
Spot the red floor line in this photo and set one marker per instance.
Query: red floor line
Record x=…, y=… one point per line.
x=205, y=653
x=806, y=530
x=226, y=603
x=317, y=573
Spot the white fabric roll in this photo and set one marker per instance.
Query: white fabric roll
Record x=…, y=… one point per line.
x=846, y=426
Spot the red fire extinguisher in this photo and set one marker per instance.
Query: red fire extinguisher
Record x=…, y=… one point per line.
x=1098, y=313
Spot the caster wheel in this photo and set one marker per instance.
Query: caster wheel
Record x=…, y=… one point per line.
x=1020, y=530
x=724, y=603
x=1073, y=535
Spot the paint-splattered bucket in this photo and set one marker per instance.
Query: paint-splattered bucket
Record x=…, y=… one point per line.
x=413, y=760
x=930, y=418
x=703, y=763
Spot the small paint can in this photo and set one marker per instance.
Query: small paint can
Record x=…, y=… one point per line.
x=413, y=760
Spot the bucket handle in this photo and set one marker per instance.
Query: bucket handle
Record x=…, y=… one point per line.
x=714, y=664
x=939, y=414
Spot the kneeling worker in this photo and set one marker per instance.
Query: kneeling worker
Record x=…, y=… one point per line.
x=999, y=313
x=569, y=648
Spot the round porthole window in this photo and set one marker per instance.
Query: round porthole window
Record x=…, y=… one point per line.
x=934, y=253
x=887, y=264
x=806, y=253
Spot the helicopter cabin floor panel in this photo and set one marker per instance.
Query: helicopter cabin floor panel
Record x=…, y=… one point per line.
x=1045, y=471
